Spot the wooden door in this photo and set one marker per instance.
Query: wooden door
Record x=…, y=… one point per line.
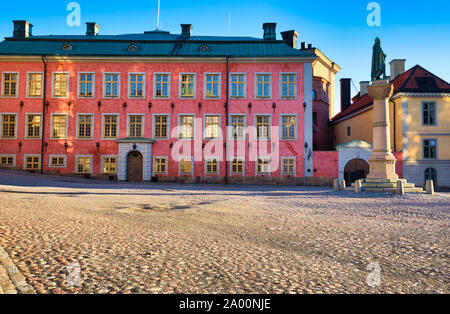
x=135, y=167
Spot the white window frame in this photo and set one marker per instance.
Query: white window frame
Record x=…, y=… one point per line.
x=51, y=125
x=42, y=85
x=76, y=164
x=218, y=166
x=16, y=125
x=144, y=79
x=256, y=128
x=295, y=165
x=109, y=156
x=423, y=148
x=154, y=173
x=270, y=84
x=169, y=85
x=243, y=166
x=220, y=126
x=79, y=85
x=179, y=166
x=270, y=166
x=281, y=126
x=195, y=86
x=92, y=126
x=295, y=86
x=53, y=84
x=230, y=91
x=17, y=87
x=57, y=156
x=230, y=130
x=119, y=84
x=143, y=123
x=205, y=83
x=179, y=126
x=26, y=126
x=9, y=155
x=103, y=127
x=25, y=161
x=435, y=113
x=168, y=126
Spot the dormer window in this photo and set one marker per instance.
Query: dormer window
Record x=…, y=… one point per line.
x=204, y=48
x=133, y=47
x=67, y=47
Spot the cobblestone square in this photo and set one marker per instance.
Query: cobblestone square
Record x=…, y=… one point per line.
x=171, y=238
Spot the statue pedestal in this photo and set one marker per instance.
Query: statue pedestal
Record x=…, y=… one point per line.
x=382, y=161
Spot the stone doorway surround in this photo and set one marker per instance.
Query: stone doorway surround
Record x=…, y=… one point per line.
x=356, y=149
x=127, y=145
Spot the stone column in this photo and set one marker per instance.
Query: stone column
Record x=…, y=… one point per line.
x=382, y=161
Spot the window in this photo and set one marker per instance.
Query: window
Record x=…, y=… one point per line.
x=161, y=126
x=160, y=165
x=58, y=161
x=288, y=85
x=263, y=166
x=349, y=130
x=237, y=85
x=135, y=126
x=263, y=86
x=59, y=126
x=33, y=126
x=429, y=113
x=431, y=174
x=9, y=126
x=32, y=162
x=6, y=161
x=186, y=127
x=110, y=126
x=212, y=166
x=86, y=85
x=263, y=127
x=187, y=85
x=212, y=85
x=85, y=126
x=83, y=164
x=238, y=127
x=35, y=84
x=60, y=84
x=429, y=149
x=162, y=85
x=137, y=85
x=288, y=166
x=186, y=165
x=112, y=82
x=10, y=84
x=212, y=129
x=288, y=127
x=237, y=166
x=109, y=165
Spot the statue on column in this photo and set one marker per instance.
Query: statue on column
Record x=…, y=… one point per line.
x=378, y=61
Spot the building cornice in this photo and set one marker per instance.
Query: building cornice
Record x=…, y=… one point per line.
x=322, y=58
x=127, y=59
x=400, y=95
x=351, y=115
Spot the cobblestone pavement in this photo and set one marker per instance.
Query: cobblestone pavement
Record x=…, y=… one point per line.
x=148, y=238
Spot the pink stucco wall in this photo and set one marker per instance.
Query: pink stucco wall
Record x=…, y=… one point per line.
x=326, y=164
x=160, y=147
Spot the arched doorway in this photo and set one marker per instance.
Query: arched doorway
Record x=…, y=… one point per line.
x=355, y=169
x=135, y=167
x=431, y=174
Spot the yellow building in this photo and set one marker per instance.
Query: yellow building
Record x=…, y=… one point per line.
x=419, y=123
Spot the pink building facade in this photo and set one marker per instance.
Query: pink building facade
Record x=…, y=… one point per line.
x=157, y=106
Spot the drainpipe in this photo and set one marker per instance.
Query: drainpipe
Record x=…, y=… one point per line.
x=226, y=124
x=43, y=114
x=395, y=129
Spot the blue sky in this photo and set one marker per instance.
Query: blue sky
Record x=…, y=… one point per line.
x=415, y=30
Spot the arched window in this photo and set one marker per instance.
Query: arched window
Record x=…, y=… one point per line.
x=133, y=47
x=67, y=47
x=204, y=48
x=431, y=174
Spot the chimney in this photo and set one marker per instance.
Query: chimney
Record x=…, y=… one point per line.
x=363, y=88
x=303, y=45
x=290, y=38
x=270, y=31
x=397, y=67
x=92, y=29
x=22, y=29
x=186, y=31
x=345, y=93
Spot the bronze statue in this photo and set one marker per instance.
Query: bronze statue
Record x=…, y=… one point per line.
x=378, y=61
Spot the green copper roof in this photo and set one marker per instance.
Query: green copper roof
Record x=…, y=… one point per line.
x=149, y=44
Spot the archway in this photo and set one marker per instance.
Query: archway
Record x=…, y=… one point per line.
x=135, y=167
x=355, y=169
